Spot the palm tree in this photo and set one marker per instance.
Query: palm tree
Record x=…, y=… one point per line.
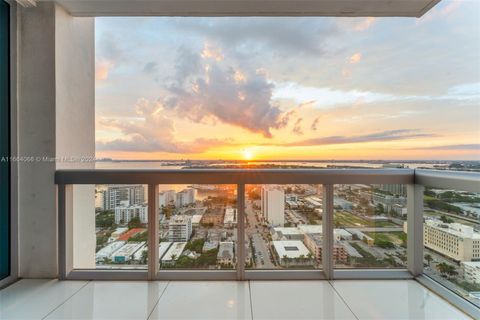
x=285, y=259
x=429, y=259
x=309, y=256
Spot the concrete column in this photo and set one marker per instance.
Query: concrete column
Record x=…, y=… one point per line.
x=55, y=118
x=75, y=122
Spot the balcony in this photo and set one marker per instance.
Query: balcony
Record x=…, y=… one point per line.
x=81, y=242
x=368, y=261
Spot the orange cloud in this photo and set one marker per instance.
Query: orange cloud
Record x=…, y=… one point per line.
x=102, y=69
x=355, y=58
x=209, y=51
x=364, y=24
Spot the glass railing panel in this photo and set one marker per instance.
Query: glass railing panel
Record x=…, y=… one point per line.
x=197, y=226
x=283, y=227
x=369, y=226
x=452, y=240
x=110, y=226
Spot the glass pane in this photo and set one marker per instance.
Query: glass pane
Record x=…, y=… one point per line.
x=4, y=141
x=197, y=226
x=284, y=226
x=369, y=222
x=110, y=230
x=452, y=240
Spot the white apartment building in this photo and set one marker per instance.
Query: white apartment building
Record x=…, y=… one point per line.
x=471, y=271
x=273, y=205
x=230, y=218
x=454, y=240
x=388, y=201
x=179, y=228
x=166, y=198
x=186, y=197
x=225, y=253
x=114, y=195
x=123, y=214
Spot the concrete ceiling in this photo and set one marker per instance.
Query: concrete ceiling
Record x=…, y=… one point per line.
x=347, y=8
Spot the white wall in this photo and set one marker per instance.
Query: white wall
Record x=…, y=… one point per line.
x=55, y=118
x=75, y=122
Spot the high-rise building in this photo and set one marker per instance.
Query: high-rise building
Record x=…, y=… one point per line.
x=123, y=214
x=454, y=240
x=179, y=228
x=115, y=195
x=100, y=200
x=166, y=198
x=395, y=189
x=186, y=197
x=273, y=205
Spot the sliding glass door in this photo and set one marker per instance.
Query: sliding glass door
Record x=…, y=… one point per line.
x=4, y=140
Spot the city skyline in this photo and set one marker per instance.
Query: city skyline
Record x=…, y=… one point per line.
x=290, y=88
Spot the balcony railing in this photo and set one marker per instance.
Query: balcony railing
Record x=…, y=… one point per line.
x=415, y=180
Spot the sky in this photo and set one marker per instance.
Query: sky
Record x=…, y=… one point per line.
x=290, y=88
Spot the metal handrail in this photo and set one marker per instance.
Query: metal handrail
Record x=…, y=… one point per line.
x=236, y=176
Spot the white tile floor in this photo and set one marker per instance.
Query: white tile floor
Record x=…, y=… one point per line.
x=360, y=299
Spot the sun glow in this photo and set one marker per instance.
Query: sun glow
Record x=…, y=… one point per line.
x=247, y=154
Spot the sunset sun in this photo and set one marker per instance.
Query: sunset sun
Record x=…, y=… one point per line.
x=247, y=154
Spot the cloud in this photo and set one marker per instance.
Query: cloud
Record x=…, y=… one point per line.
x=473, y=146
x=389, y=135
x=150, y=67
x=355, y=58
x=451, y=7
x=280, y=36
x=364, y=24
x=315, y=124
x=208, y=88
x=102, y=69
x=152, y=131
x=210, y=51
x=297, y=128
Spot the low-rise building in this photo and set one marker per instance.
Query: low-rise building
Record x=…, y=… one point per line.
x=179, y=228
x=315, y=244
x=471, y=271
x=358, y=235
x=230, y=218
x=290, y=251
x=454, y=240
x=173, y=253
x=107, y=251
x=388, y=201
x=196, y=219
x=210, y=245
x=117, y=233
x=225, y=253
x=163, y=248
x=213, y=217
x=126, y=253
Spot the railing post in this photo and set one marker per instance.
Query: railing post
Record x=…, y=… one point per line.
x=240, y=232
x=153, y=236
x=415, y=229
x=65, y=230
x=327, y=230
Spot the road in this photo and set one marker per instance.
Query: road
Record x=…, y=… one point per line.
x=258, y=242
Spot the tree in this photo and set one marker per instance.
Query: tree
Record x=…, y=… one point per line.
x=446, y=219
x=144, y=256
x=379, y=209
x=429, y=259
x=134, y=223
x=446, y=269
x=310, y=256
